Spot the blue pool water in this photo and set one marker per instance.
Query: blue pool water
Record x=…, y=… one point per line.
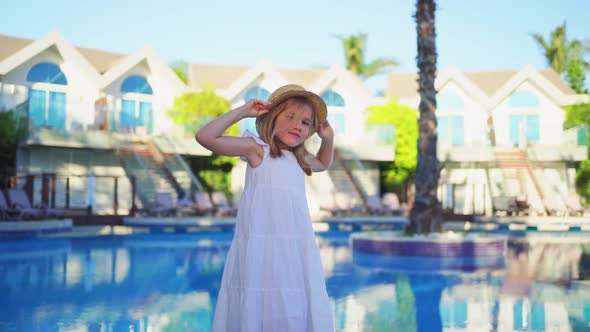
x=169, y=282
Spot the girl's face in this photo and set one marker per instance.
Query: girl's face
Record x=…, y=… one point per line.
x=293, y=125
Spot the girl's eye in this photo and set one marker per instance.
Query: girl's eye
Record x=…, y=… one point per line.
x=306, y=123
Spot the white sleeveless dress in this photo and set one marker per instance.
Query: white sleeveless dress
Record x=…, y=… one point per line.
x=273, y=278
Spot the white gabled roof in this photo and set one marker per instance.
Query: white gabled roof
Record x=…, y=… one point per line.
x=38, y=46
x=455, y=75
x=250, y=76
x=154, y=62
x=488, y=88
x=530, y=74
x=337, y=73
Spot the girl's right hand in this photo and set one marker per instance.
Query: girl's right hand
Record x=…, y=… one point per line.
x=254, y=108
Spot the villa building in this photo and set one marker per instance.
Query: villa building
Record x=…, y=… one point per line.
x=96, y=123
x=96, y=120
x=500, y=134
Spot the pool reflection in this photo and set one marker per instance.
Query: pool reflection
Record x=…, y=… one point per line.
x=170, y=282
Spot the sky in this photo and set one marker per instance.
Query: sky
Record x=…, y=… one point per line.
x=472, y=35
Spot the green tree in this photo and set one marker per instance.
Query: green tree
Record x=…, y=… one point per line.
x=192, y=111
x=180, y=68
x=565, y=56
x=405, y=121
x=8, y=142
x=576, y=115
x=575, y=74
x=426, y=213
x=354, y=54
x=181, y=74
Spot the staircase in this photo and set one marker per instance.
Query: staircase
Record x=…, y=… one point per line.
x=517, y=170
x=511, y=159
x=342, y=182
x=350, y=177
x=153, y=171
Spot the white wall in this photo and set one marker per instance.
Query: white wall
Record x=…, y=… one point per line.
x=162, y=98
x=551, y=117
x=475, y=130
x=80, y=91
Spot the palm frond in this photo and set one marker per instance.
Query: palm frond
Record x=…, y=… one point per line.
x=379, y=66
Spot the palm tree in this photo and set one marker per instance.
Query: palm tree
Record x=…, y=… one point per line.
x=426, y=213
x=565, y=56
x=354, y=54
x=555, y=48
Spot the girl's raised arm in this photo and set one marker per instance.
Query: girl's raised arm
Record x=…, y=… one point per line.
x=211, y=135
x=323, y=159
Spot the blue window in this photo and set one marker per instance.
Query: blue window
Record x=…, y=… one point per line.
x=248, y=124
x=134, y=112
x=338, y=122
x=460, y=308
x=451, y=129
x=131, y=116
x=56, y=117
x=37, y=107
x=46, y=72
x=582, y=135
x=454, y=314
x=518, y=321
x=127, y=115
x=47, y=108
x=523, y=99
x=256, y=93
x=529, y=123
x=146, y=116
x=331, y=98
x=136, y=84
x=538, y=317
x=253, y=93
x=386, y=134
x=449, y=100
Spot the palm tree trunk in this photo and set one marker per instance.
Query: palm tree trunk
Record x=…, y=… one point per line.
x=426, y=213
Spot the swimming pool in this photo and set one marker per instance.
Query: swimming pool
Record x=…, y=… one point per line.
x=169, y=282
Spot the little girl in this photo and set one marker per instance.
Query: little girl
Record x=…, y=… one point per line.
x=273, y=278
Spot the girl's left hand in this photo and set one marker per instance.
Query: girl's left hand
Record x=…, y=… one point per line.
x=325, y=131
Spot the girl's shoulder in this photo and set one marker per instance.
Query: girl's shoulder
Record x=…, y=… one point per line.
x=258, y=140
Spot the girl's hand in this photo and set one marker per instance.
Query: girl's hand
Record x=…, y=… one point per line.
x=254, y=108
x=325, y=131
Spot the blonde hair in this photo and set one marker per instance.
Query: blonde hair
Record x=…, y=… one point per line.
x=265, y=126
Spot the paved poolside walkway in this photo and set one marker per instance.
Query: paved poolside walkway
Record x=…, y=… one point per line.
x=523, y=223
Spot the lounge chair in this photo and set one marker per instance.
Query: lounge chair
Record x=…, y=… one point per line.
x=6, y=212
x=328, y=204
x=573, y=204
x=222, y=204
x=504, y=205
x=163, y=205
x=554, y=207
x=19, y=201
x=340, y=204
x=391, y=204
x=375, y=205
x=203, y=204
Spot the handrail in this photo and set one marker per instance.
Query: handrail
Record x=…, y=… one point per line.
x=181, y=160
x=351, y=177
x=159, y=159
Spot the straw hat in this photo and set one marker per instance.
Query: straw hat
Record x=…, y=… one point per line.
x=293, y=90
